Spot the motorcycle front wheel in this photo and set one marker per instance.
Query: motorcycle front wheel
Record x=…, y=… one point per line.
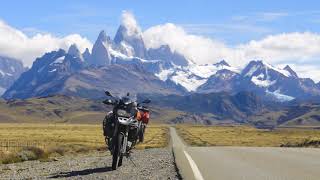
x=117, y=156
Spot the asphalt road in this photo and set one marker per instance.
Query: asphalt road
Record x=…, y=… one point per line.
x=245, y=162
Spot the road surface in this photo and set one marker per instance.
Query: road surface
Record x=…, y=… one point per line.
x=263, y=163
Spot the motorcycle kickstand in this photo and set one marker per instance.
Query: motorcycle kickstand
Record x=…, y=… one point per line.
x=129, y=157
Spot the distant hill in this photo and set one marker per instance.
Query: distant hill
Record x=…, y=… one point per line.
x=60, y=109
x=225, y=106
x=67, y=109
x=209, y=109
x=239, y=108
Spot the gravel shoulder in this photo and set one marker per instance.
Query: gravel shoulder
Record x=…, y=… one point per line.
x=157, y=163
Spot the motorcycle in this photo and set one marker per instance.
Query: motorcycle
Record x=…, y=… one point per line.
x=123, y=127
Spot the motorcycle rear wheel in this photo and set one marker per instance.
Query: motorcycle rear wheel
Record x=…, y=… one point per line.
x=141, y=134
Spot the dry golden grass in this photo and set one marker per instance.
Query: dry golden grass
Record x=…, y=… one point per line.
x=156, y=136
x=71, y=138
x=245, y=136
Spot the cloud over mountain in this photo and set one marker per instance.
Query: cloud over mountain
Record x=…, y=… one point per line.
x=294, y=48
x=128, y=20
x=14, y=43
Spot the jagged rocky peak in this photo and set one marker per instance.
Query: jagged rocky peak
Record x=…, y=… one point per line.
x=254, y=67
x=129, y=37
x=257, y=67
x=57, y=61
x=48, y=58
x=256, y=62
x=10, y=70
x=165, y=47
x=222, y=63
x=104, y=38
x=100, y=52
x=75, y=52
x=165, y=53
x=10, y=66
x=262, y=64
x=86, y=55
x=128, y=28
x=292, y=72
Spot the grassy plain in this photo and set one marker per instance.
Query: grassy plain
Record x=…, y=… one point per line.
x=60, y=139
x=248, y=136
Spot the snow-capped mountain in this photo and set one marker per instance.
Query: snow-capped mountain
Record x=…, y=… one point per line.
x=159, y=70
x=193, y=76
x=281, y=83
x=46, y=76
x=61, y=72
x=10, y=70
x=223, y=80
x=165, y=53
x=264, y=79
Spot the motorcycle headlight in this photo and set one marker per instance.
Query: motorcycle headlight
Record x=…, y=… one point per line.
x=123, y=113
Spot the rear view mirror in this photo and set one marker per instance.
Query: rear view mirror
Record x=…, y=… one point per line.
x=146, y=101
x=108, y=93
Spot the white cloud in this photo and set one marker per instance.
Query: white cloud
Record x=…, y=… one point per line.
x=296, y=48
x=14, y=43
x=224, y=27
x=195, y=48
x=260, y=17
x=128, y=20
x=271, y=16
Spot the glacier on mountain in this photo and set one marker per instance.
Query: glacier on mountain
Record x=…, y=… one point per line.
x=280, y=97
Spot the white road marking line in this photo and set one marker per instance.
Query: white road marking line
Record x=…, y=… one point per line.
x=194, y=167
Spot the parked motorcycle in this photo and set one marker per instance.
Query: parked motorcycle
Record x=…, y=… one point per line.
x=124, y=126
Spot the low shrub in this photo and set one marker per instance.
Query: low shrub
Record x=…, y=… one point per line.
x=38, y=152
x=304, y=143
x=9, y=158
x=26, y=154
x=56, y=150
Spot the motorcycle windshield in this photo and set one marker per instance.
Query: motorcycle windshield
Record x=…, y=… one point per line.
x=127, y=100
x=127, y=104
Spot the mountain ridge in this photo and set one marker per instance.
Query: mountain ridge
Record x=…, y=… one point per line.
x=159, y=68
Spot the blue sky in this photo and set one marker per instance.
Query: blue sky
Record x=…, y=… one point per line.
x=232, y=22
x=279, y=32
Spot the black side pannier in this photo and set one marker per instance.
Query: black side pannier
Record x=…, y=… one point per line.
x=108, y=125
